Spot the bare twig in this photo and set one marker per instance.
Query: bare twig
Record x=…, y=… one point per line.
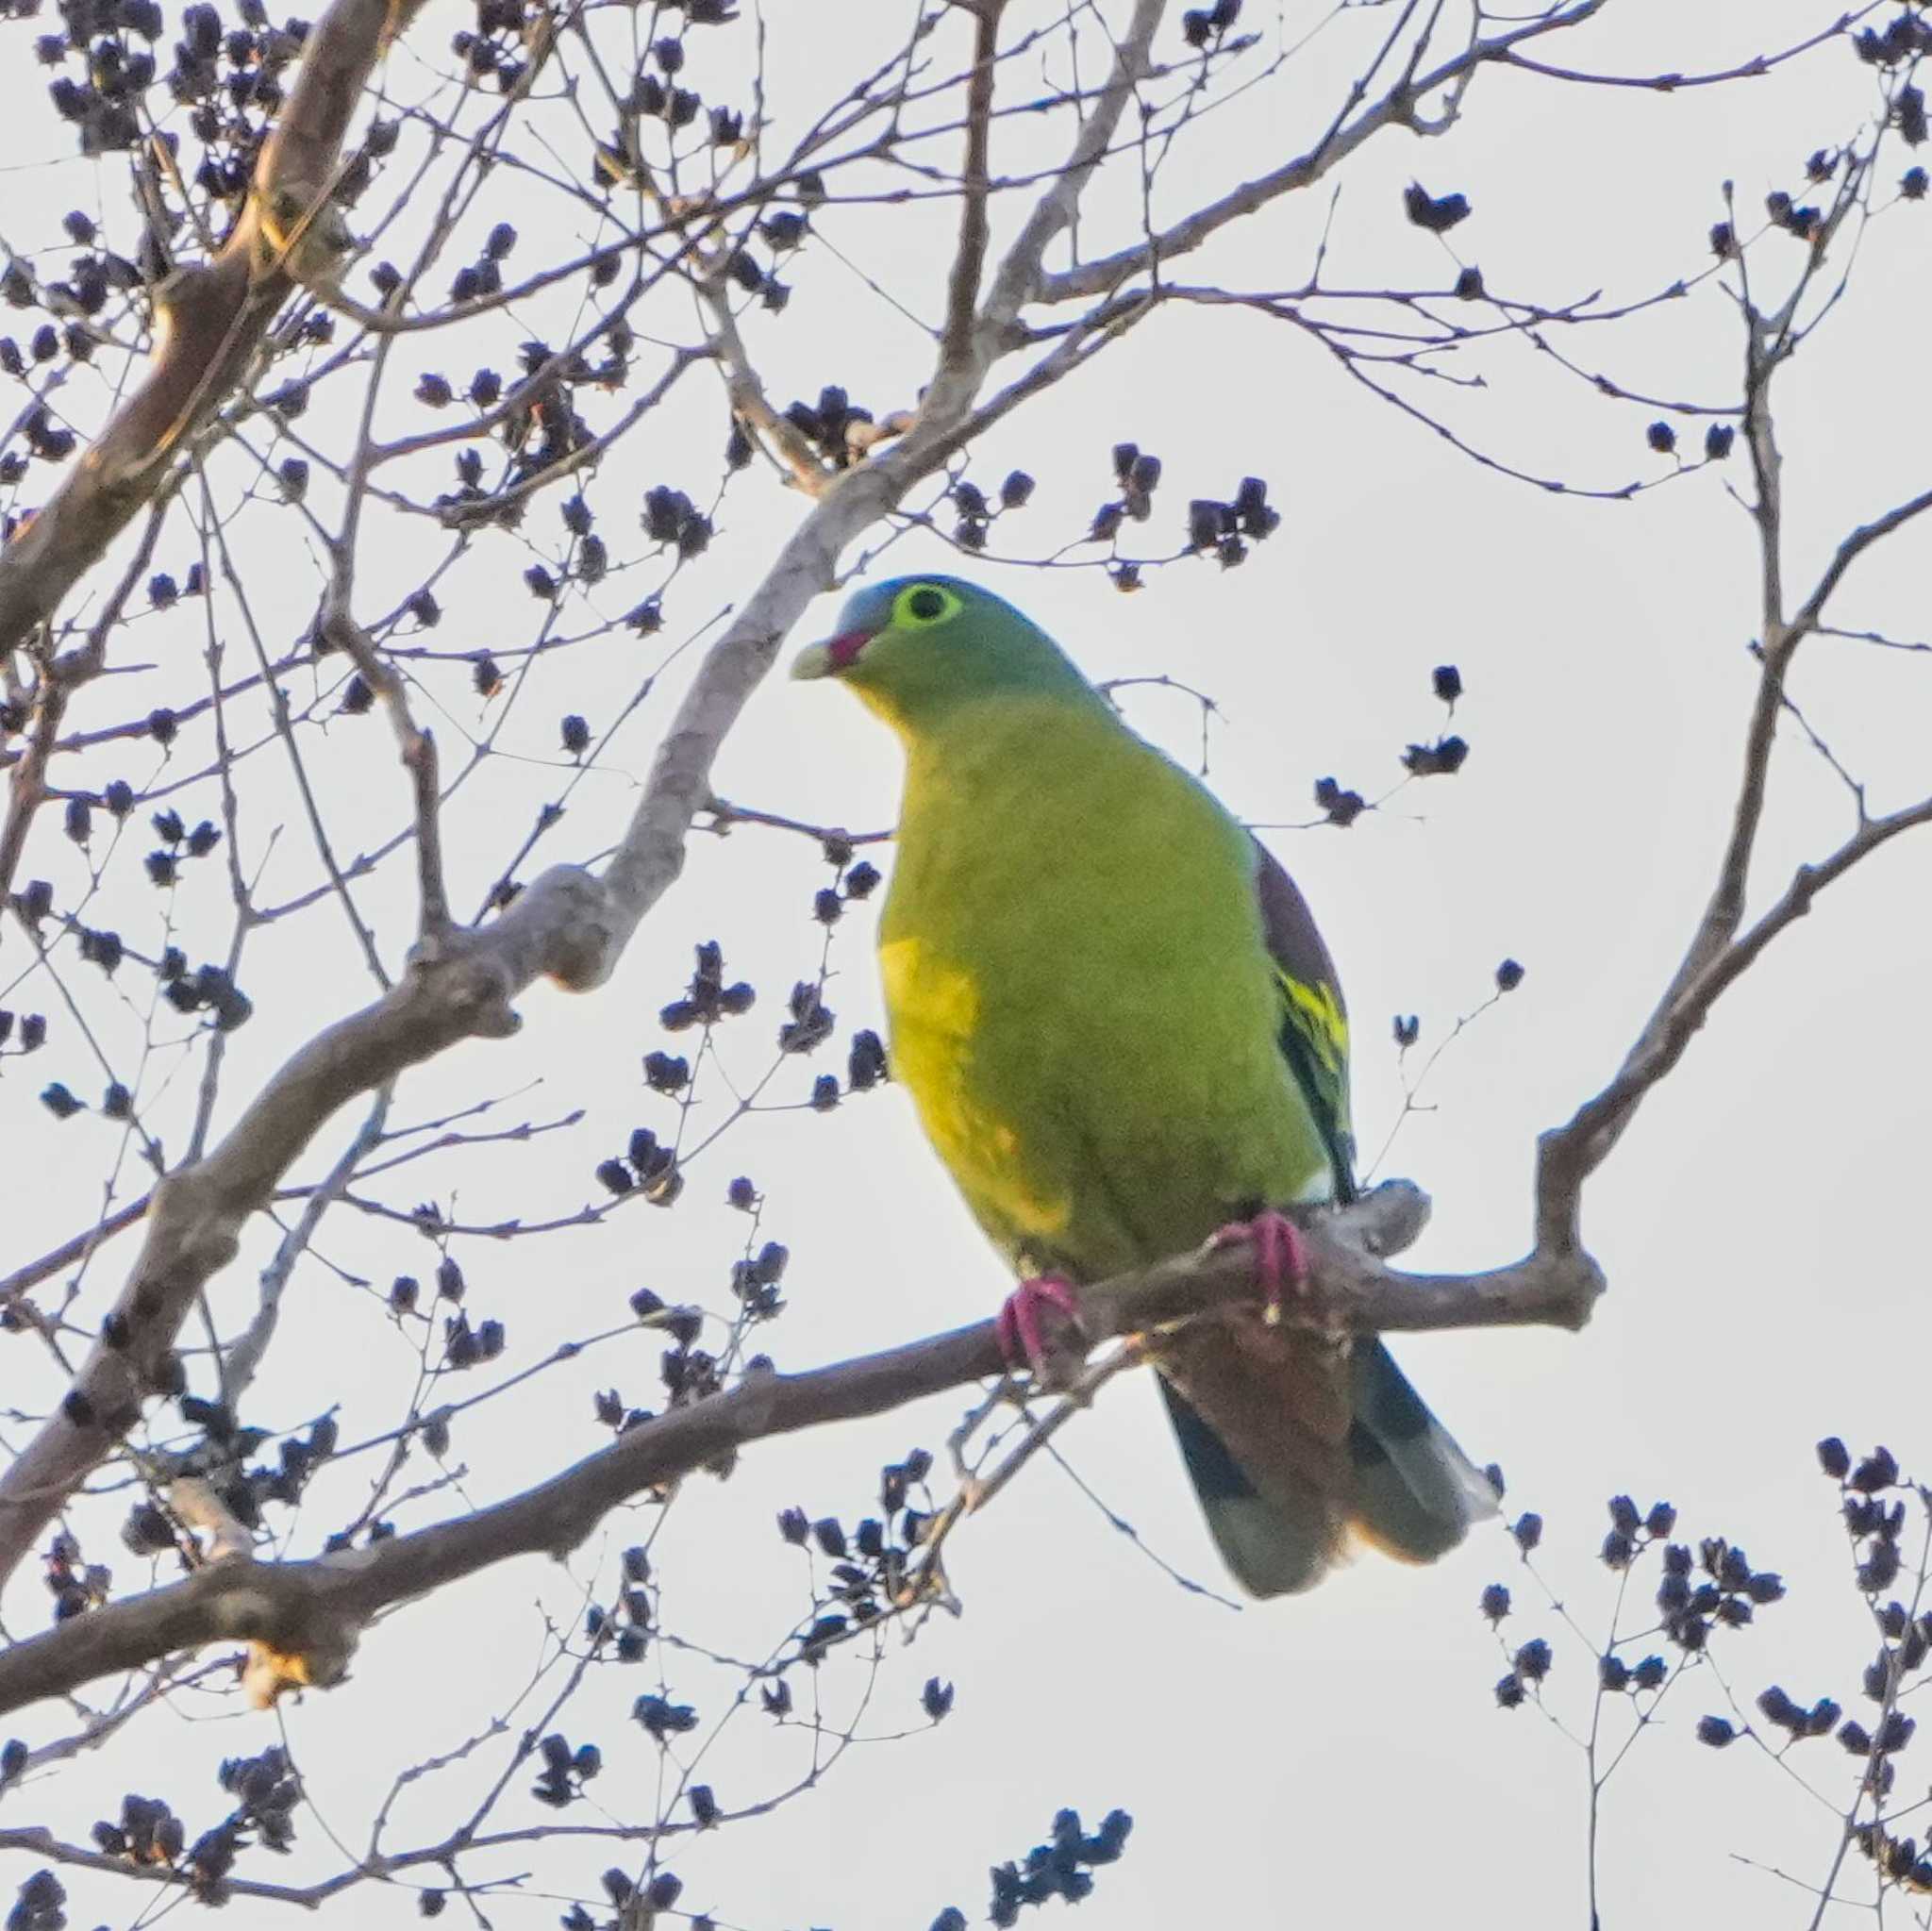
x=242, y=1360
x=1105, y=273
x=969, y=255
x=417, y=749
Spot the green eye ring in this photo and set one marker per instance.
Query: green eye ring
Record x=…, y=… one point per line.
x=922, y=605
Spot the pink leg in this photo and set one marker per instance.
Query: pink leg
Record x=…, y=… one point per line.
x=1020, y=1324
x=1281, y=1256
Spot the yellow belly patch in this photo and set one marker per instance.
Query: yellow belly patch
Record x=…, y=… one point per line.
x=925, y=992
x=934, y=1007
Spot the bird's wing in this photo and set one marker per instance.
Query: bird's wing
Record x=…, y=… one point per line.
x=1291, y=1444
x=1314, y=1022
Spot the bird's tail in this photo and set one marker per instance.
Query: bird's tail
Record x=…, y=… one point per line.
x=1416, y=1493
x=1285, y=1487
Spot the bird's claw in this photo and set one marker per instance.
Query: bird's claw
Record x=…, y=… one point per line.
x=1031, y=1324
x=1281, y=1254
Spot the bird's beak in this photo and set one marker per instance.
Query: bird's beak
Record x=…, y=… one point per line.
x=829, y=658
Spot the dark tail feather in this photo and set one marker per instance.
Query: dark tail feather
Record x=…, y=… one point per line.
x=1272, y=1545
x=1415, y=1492
x=1408, y=1489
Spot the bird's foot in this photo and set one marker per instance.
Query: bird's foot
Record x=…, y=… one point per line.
x=1281, y=1256
x=1034, y=1325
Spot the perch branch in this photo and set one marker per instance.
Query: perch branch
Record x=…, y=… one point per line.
x=314, y=1610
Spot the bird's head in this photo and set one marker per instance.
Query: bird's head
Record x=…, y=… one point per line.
x=921, y=648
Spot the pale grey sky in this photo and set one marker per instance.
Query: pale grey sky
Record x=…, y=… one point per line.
x=1334, y=1758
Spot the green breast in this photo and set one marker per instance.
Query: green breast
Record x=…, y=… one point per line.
x=1080, y=997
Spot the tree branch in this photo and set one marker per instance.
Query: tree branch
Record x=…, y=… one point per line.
x=76, y=1247
x=1106, y=273
x=1750, y=69
x=212, y=318
x=195, y=1216
x=969, y=257
x=570, y=925
x=239, y=1367
x=417, y=749
x=749, y=402
x=58, y=678
x=1570, y=1153
x=314, y=1610
x=1022, y=271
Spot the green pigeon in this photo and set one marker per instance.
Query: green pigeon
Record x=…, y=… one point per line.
x=1125, y=1036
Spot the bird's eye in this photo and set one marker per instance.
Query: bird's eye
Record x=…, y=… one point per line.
x=925, y=604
